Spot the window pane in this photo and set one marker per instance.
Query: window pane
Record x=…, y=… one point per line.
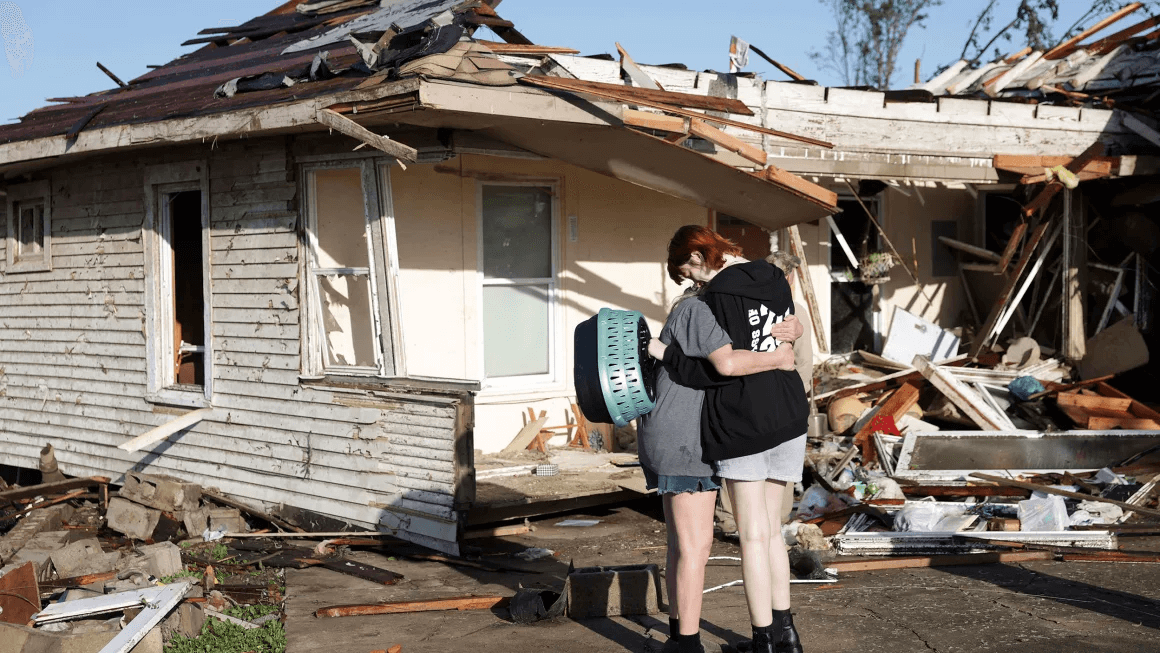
x=517, y=232
x=30, y=230
x=346, y=320
x=342, y=221
x=515, y=330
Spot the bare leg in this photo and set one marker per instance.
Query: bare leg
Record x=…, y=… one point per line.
x=754, y=528
x=778, y=557
x=689, y=521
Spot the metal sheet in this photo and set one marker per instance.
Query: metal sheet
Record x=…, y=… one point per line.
x=404, y=13
x=951, y=456
x=935, y=543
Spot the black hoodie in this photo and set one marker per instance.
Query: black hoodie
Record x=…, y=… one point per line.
x=749, y=414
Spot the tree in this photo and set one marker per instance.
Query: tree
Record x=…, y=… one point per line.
x=864, y=48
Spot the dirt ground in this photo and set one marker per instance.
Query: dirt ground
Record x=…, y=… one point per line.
x=1041, y=607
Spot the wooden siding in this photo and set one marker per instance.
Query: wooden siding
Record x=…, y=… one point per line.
x=73, y=360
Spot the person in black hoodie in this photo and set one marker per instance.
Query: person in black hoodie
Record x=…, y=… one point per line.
x=752, y=427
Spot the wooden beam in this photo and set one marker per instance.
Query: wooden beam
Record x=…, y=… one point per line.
x=1047, y=489
x=344, y=125
x=527, y=434
x=1093, y=401
x=47, y=489
x=399, y=607
x=641, y=96
x=806, y=284
x=519, y=48
x=845, y=566
x=165, y=430
x=1040, y=201
x=1012, y=245
x=1109, y=43
x=997, y=310
x=112, y=76
x=1017, y=56
x=962, y=396
x=701, y=129
x=657, y=121
x=1073, y=270
x=1063, y=49
x=782, y=67
x=818, y=193
x=630, y=95
x=970, y=249
x=1026, y=164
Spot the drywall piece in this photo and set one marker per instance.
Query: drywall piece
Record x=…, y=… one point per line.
x=912, y=336
x=1116, y=349
x=950, y=457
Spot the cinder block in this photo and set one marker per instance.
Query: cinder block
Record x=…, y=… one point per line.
x=613, y=591
x=83, y=558
x=52, y=518
x=162, y=559
x=40, y=548
x=187, y=619
x=161, y=492
x=131, y=519
x=230, y=518
x=196, y=521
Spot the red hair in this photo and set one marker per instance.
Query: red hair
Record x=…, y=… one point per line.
x=695, y=238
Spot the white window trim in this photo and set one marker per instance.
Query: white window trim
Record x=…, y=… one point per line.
x=383, y=269
x=173, y=177
x=23, y=193
x=553, y=380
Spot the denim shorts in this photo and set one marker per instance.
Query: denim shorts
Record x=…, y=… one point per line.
x=681, y=484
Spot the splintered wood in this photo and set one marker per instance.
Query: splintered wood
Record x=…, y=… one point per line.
x=400, y=607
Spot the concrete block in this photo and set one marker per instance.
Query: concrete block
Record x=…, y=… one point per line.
x=613, y=591
x=187, y=619
x=131, y=519
x=52, y=518
x=161, y=492
x=195, y=521
x=151, y=643
x=22, y=639
x=83, y=558
x=40, y=548
x=162, y=559
x=230, y=518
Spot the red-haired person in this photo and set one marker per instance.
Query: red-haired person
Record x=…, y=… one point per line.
x=752, y=426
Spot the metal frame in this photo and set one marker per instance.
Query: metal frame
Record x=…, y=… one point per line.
x=556, y=361
x=903, y=470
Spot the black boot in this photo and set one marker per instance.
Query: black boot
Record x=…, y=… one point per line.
x=690, y=644
x=765, y=638
x=786, y=636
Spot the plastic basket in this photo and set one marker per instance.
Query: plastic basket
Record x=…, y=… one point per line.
x=614, y=374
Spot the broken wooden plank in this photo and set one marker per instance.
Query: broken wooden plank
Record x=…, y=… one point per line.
x=970, y=249
x=701, y=129
x=210, y=612
x=19, y=595
x=1063, y=49
x=844, y=566
x=1124, y=423
x=638, y=76
x=1109, y=43
x=1012, y=245
x=793, y=182
x=112, y=76
x=1000, y=306
x=900, y=401
x=48, y=489
x=359, y=570
x=344, y=125
x=656, y=121
x=400, y=607
x=643, y=96
x=960, y=395
x=165, y=430
x=1047, y=489
x=1030, y=164
x=518, y=48
x=1091, y=401
x=780, y=66
x=806, y=286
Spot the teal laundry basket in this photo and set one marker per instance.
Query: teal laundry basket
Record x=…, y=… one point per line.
x=614, y=375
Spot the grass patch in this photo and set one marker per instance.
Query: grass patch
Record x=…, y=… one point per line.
x=222, y=637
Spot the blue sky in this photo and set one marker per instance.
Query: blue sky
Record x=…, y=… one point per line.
x=127, y=35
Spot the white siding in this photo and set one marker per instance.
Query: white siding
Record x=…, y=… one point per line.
x=72, y=361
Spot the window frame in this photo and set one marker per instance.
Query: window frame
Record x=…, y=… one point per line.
x=382, y=267
x=161, y=181
x=556, y=363
x=23, y=193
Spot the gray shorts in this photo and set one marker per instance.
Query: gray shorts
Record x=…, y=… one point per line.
x=781, y=463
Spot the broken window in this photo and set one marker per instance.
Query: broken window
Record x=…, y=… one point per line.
x=29, y=230
x=519, y=285
x=177, y=291
x=345, y=265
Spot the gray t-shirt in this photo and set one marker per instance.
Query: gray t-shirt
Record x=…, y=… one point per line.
x=669, y=439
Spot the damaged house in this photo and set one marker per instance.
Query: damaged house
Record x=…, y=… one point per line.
x=327, y=257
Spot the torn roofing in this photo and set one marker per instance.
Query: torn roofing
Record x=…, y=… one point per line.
x=251, y=56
